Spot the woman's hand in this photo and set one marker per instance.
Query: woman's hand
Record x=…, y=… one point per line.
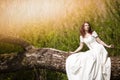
x=110, y=46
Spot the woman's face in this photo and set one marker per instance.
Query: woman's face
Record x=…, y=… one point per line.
x=86, y=26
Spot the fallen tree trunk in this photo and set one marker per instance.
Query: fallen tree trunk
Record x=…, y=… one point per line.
x=48, y=58
x=44, y=58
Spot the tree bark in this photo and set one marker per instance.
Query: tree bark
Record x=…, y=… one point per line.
x=43, y=58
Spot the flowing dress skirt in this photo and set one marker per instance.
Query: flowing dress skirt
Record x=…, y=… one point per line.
x=93, y=64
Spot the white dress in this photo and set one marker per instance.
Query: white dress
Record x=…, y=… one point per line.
x=93, y=64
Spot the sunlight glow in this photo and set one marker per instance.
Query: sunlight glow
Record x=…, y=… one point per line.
x=39, y=10
x=22, y=13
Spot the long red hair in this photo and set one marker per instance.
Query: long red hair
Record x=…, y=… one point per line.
x=82, y=30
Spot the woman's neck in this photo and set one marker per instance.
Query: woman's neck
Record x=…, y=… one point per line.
x=86, y=32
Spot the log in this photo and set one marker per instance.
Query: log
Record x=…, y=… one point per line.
x=44, y=58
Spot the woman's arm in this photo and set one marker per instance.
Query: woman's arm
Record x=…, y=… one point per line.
x=79, y=48
x=103, y=43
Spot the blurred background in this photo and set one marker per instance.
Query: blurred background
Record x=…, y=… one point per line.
x=56, y=24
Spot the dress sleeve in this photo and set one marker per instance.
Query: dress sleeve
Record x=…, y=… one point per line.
x=81, y=39
x=95, y=34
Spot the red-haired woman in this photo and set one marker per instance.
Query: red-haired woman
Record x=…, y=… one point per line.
x=93, y=64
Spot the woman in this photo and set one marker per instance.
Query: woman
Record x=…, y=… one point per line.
x=93, y=64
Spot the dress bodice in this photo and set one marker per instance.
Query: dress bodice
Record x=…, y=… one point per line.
x=90, y=41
